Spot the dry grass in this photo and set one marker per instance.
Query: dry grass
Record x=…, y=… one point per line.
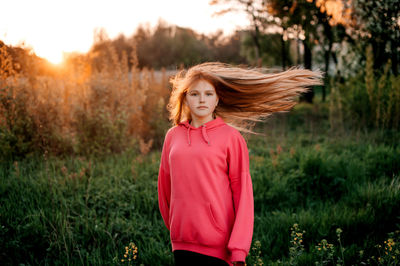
x=80, y=108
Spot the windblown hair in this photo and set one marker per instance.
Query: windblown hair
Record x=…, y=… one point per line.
x=245, y=95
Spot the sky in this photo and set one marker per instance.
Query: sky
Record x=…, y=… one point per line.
x=51, y=27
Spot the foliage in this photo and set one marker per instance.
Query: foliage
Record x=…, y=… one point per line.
x=370, y=99
x=171, y=47
x=270, y=50
x=377, y=24
x=83, y=210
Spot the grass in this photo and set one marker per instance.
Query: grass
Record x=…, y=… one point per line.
x=86, y=210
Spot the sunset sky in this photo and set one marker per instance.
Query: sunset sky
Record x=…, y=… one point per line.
x=52, y=27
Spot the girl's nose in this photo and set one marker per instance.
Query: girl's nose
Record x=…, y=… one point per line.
x=201, y=97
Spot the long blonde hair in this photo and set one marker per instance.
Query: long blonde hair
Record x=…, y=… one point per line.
x=245, y=95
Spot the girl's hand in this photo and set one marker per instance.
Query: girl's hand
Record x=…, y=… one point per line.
x=239, y=263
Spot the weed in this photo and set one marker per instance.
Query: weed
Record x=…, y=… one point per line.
x=389, y=253
x=130, y=255
x=296, y=248
x=255, y=255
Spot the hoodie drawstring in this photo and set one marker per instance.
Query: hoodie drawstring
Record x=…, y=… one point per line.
x=203, y=133
x=188, y=135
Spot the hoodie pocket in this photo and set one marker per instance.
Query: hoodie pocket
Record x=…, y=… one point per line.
x=194, y=222
x=216, y=224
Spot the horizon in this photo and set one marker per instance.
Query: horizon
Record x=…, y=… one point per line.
x=50, y=31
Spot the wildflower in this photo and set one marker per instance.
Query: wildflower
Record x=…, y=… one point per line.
x=278, y=149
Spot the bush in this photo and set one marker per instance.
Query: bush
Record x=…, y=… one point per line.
x=370, y=99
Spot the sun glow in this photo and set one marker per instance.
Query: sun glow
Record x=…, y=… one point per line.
x=54, y=56
x=51, y=27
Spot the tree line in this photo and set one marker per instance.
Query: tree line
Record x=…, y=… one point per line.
x=320, y=29
x=330, y=35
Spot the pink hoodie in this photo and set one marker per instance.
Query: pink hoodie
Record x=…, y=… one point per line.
x=205, y=192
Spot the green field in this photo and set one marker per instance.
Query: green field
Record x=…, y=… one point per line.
x=85, y=210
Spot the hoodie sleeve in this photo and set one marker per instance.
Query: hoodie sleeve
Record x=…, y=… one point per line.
x=242, y=191
x=164, y=183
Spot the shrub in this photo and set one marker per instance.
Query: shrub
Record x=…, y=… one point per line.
x=371, y=99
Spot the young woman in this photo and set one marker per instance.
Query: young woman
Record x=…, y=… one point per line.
x=205, y=190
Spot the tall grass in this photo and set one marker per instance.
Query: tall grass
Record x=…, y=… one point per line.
x=368, y=100
x=81, y=109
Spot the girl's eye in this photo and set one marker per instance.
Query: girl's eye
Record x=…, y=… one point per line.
x=193, y=94
x=210, y=94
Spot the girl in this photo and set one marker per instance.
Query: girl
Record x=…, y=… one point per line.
x=205, y=191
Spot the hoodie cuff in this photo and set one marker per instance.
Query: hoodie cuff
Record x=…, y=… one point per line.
x=238, y=255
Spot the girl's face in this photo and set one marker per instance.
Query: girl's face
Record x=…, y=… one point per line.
x=201, y=99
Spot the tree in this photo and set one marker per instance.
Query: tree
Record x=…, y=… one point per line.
x=272, y=51
x=255, y=9
x=378, y=23
x=291, y=17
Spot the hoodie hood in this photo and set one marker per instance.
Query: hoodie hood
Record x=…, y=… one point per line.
x=217, y=122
